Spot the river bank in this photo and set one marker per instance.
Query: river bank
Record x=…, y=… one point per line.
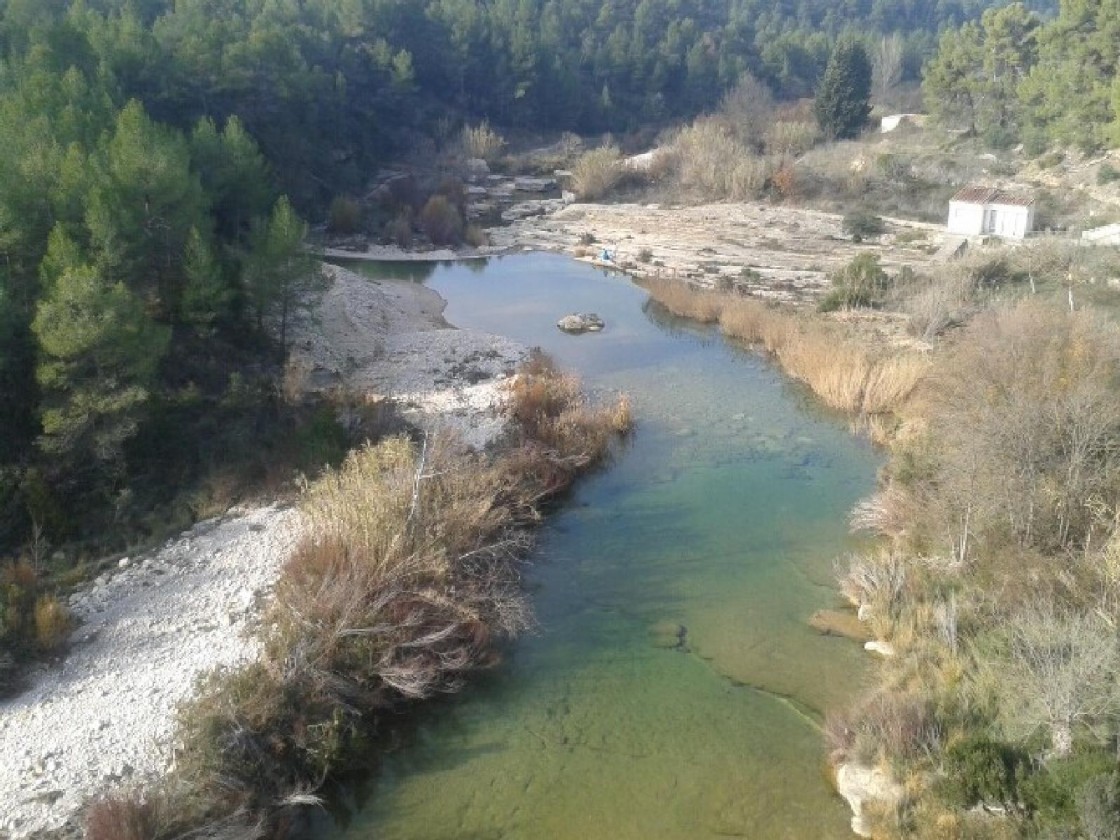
x=104, y=715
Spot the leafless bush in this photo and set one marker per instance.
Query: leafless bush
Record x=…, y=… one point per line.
x=748, y=109
x=441, y=221
x=596, y=172
x=1025, y=422
x=711, y=160
x=785, y=138
x=1055, y=669
x=899, y=727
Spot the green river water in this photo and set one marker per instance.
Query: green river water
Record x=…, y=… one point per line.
x=672, y=689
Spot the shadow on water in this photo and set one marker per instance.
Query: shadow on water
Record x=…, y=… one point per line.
x=672, y=688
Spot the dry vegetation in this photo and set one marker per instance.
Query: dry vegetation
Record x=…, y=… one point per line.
x=406, y=582
x=845, y=373
x=997, y=580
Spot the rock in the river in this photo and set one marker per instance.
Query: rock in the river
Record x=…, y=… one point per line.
x=581, y=323
x=838, y=623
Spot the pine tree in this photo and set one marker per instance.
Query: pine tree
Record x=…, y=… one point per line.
x=843, y=99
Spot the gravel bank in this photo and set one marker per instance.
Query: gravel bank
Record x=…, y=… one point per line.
x=105, y=715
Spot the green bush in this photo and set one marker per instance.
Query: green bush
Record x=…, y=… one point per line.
x=861, y=225
x=399, y=231
x=1107, y=174
x=980, y=770
x=1052, y=794
x=861, y=283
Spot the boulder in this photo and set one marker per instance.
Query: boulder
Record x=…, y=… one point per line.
x=526, y=184
x=477, y=169
x=860, y=785
x=581, y=323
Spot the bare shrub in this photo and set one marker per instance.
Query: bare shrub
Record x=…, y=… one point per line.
x=481, y=141
x=441, y=221
x=895, y=726
x=129, y=816
x=1025, y=421
x=877, y=581
x=1055, y=669
x=52, y=623
x=345, y=215
x=711, y=160
x=475, y=236
x=748, y=109
x=596, y=172
x=791, y=138
x=399, y=231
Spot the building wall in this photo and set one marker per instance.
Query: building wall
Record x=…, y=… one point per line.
x=1009, y=220
x=1013, y=221
x=966, y=219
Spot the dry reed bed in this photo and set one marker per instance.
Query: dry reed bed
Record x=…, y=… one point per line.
x=846, y=375
x=405, y=582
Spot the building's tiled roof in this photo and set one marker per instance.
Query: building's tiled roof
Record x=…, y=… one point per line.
x=992, y=195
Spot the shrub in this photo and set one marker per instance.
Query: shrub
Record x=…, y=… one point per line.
x=441, y=222
x=861, y=225
x=981, y=771
x=475, y=236
x=1107, y=174
x=52, y=623
x=345, y=215
x=399, y=231
x=1098, y=806
x=481, y=141
x=712, y=161
x=794, y=138
x=596, y=172
x=644, y=255
x=132, y=816
x=862, y=282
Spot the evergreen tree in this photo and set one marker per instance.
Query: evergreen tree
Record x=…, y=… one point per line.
x=843, y=99
x=99, y=355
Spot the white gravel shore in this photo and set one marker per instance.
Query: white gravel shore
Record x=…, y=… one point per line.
x=105, y=715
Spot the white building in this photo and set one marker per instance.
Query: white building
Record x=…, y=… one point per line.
x=976, y=211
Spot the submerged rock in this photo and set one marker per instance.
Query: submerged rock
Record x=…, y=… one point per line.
x=581, y=323
x=669, y=635
x=839, y=623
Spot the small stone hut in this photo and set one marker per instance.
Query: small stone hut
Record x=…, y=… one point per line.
x=979, y=211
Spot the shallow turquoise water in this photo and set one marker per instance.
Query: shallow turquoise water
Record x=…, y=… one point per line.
x=672, y=688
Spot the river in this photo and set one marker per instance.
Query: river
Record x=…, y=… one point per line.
x=672, y=689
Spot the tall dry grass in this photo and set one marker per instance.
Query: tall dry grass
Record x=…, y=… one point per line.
x=596, y=172
x=844, y=374
x=708, y=158
x=406, y=577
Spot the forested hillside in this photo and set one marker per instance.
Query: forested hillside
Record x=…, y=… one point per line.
x=145, y=237
x=1015, y=76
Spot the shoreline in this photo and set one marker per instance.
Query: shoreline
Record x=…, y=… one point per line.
x=104, y=715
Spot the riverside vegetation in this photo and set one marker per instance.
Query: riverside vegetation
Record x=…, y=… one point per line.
x=406, y=582
x=995, y=583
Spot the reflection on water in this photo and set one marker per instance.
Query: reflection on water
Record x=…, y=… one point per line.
x=673, y=688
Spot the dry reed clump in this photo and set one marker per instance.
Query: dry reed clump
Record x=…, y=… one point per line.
x=481, y=141
x=406, y=577
x=596, y=172
x=845, y=375
x=129, y=816
x=710, y=159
